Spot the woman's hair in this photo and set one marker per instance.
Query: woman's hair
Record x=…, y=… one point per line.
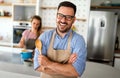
x=40, y=26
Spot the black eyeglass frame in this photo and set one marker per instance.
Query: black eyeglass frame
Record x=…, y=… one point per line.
x=67, y=17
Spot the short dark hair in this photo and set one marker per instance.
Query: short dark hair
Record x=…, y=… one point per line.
x=68, y=4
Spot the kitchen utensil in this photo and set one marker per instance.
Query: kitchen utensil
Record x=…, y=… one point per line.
x=38, y=44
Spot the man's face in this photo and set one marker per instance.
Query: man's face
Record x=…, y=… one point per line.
x=65, y=19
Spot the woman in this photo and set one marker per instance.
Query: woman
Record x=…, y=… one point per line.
x=30, y=35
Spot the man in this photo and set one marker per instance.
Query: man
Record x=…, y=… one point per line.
x=63, y=50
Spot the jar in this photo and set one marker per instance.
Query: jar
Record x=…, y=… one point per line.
x=2, y=12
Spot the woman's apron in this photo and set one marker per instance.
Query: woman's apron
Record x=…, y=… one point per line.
x=60, y=56
x=29, y=43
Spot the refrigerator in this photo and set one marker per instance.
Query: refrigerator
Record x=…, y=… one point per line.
x=101, y=35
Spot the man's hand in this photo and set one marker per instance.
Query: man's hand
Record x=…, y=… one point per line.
x=43, y=60
x=72, y=58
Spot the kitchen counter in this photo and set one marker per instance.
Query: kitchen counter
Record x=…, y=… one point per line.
x=11, y=64
x=93, y=70
x=10, y=61
x=98, y=70
x=18, y=68
x=5, y=74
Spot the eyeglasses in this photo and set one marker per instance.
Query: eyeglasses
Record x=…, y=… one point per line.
x=67, y=17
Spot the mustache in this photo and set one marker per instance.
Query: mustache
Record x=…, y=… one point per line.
x=64, y=23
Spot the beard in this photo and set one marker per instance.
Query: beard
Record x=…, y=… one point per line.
x=63, y=27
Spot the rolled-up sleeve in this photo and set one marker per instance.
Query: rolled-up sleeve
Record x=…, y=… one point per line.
x=81, y=50
x=36, y=64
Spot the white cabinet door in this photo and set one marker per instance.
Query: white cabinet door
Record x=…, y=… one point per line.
x=6, y=31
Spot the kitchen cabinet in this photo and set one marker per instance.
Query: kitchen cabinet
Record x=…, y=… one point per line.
x=5, y=31
x=104, y=7
x=5, y=24
x=5, y=11
x=22, y=12
x=5, y=4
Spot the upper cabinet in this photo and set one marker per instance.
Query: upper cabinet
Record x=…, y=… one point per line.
x=104, y=7
x=22, y=12
x=5, y=11
x=105, y=4
x=5, y=4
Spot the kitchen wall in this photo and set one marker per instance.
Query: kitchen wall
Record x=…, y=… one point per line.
x=49, y=9
x=48, y=13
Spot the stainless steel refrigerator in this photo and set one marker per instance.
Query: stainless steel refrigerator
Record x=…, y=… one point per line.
x=101, y=35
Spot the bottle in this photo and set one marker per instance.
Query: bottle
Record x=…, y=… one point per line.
x=117, y=43
x=2, y=12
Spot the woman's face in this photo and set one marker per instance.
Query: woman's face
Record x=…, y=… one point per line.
x=35, y=23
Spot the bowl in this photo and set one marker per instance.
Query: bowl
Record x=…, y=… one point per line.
x=26, y=54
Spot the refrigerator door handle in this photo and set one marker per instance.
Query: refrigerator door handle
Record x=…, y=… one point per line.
x=102, y=23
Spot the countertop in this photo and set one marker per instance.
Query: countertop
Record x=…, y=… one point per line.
x=98, y=70
x=10, y=61
x=16, y=68
x=5, y=74
x=93, y=70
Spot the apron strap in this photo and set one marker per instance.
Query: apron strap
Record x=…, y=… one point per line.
x=52, y=40
x=69, y=41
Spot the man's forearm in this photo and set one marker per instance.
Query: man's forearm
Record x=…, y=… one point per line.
x=63, y=69
x=46, y=70
x=58, y=69
x=51, y=67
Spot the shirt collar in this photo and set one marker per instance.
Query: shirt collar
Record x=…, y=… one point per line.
x=67, y=34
